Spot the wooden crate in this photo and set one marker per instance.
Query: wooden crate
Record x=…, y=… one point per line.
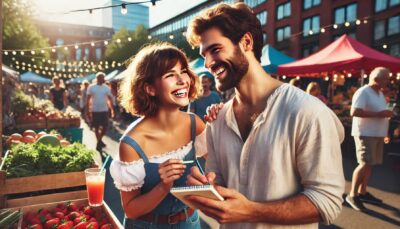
x=34, y=208
x=27, y=185
x=31, y=125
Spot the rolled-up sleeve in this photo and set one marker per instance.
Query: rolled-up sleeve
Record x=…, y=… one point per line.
x=319, y=162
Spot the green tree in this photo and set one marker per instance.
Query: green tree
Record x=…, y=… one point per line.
x=130, y=44
x=19, y=31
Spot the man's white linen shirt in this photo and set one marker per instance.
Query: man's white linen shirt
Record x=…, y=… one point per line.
x=293, y=147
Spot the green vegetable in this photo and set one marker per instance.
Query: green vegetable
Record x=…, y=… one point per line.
x=10, y=219
x=38, y=159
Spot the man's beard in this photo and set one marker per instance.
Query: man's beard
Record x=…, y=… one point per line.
x=236, y=67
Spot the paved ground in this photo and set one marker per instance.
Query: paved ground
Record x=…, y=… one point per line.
x=384, y=183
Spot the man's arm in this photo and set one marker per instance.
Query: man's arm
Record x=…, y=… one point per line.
x=110, y=105
x=65, y=98
x=358, y=112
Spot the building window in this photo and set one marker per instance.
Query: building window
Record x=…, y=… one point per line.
x=265, y=38
x=253, y=3
x=395, y=50
x=262, y=16
x=78, y=54
x=310, y=49
x=283, y=33
x=392, y=28
x=346, y=13
x=86, y=55
x=283, y=10
x=98, y=53
x=393, y=25
x=379, y=30
x=311, y=26
x=384, y=4
x=307, y=4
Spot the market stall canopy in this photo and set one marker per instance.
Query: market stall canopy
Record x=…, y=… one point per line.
x=271, y=58
x=120, y=76
x=9, y=73
x=111, y=75
x=344, y=54
x=197, y=66
x=30, y=77
x=78, y=80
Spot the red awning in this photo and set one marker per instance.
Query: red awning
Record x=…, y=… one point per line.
x=344, y=54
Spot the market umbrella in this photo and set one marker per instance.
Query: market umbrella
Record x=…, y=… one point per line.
x=271, y=58
x=30, y=77
x=9, y=73
x=111, y=75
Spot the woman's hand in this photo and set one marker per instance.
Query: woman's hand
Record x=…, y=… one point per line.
x=212, y=112
x=170, y=171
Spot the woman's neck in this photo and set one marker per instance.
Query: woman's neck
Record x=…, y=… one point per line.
x=167, y=119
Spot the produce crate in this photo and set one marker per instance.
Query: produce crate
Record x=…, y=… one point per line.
x=31, y=125
x=57, y=123
x=72, y=134
x=75, y=122
x=16, y=192
x=105, y=208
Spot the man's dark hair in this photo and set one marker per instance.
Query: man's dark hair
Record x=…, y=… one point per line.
x=232, y=20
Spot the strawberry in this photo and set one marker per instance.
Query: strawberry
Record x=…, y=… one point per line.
x=53, y=223
x=92, y=225
x=59, y=215
x=73, y=215
x=106, y=226
x=35, y=226
x=88, y=211
x=81, y=225
x=73, y=207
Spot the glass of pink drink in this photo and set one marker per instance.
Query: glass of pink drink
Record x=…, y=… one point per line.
x=95, y=186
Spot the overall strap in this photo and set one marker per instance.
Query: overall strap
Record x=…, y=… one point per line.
x=193, y=134
x=128, y=140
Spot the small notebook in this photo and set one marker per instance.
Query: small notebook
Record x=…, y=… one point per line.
x=199, y=190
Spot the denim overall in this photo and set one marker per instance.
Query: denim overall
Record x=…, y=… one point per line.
x=170, y=205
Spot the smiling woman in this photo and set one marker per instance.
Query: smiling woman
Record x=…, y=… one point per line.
x=153, y=148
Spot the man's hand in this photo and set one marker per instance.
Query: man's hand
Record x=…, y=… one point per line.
x=235, y=207
x=89, y=116
x=386, y=113
x=212, y=112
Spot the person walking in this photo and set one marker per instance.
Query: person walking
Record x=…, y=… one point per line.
x=273, y=151
x=208, y=97
x=98, y=104
x=369, y=128
x=58, y=94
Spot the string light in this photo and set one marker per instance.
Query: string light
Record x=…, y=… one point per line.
x=124, y=10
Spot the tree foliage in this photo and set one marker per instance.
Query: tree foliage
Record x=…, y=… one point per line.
x=125, y=49
x=19, y=31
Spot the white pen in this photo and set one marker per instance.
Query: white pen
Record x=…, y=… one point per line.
x=187, y=162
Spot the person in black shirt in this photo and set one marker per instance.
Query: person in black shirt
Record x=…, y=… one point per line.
x=58, y=94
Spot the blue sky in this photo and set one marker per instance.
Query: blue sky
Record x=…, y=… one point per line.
x=52, y=10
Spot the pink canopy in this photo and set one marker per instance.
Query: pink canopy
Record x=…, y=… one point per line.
x=344, y=54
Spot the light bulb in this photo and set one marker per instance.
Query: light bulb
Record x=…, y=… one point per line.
x=124, y=10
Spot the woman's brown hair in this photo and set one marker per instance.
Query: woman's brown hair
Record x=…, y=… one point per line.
x=150, y=64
